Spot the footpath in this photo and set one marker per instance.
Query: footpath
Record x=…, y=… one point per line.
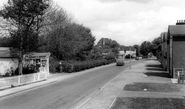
x=143, y=80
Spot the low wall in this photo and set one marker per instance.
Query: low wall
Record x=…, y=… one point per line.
x=21, y=80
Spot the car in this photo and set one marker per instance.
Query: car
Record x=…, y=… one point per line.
x=120, y=60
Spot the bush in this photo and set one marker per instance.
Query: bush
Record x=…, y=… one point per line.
x=110, y=58
x=128, y=56
x=75, y=66
x=53, y=65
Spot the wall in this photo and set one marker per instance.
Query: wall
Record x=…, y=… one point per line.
x=179, y=52
x=6, y=64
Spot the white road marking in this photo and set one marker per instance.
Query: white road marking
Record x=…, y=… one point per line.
x=83, y=103
x=112, y=79
x=112, y=103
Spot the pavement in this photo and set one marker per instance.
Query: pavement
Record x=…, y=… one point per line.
x=148, y=71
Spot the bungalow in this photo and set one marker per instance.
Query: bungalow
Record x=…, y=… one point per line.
x=8, y=62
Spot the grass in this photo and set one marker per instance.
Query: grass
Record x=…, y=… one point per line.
x=149, y=103
x=152, y=87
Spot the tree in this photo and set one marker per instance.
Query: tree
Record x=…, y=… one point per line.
x=156, y=45
x=145, y=48
x=109, y=45
x=137, y=47
x=24, y=18
x=73, y=41
x=4, y=42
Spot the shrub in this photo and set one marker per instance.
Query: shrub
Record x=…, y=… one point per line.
x=75, y=66
x=128, y=56
x=53, y=65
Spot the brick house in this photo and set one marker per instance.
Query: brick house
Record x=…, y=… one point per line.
x=176, y=48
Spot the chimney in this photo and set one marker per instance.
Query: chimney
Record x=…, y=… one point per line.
x=180, y=22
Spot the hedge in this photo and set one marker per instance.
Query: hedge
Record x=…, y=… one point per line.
x=75, y=66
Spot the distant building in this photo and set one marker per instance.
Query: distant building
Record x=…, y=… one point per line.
x=130, y=51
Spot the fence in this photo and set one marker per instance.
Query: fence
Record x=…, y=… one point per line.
x=181, y=76
x=175, y=72
x=22, y=79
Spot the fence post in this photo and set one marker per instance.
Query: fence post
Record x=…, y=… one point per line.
x=19, y=79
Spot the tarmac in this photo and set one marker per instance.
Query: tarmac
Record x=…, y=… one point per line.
x=148, y=71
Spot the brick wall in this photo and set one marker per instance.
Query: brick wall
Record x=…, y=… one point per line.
x=179, y=53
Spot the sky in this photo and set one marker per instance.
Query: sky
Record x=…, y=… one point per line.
x=128, y=22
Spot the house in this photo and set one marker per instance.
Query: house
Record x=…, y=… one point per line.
x=8, y=61
x=176, y=48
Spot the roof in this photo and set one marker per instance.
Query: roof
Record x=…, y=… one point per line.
x=176, y=30
x=5, y=52
x=37, y=54
x=128, y=48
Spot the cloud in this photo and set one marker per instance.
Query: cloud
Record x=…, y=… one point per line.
x=140, y=1
x=128, y=22
x=105, y=1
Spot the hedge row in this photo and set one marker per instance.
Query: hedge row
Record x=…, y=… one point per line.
x=78, y=66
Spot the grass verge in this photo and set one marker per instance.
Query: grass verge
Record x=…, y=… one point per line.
x=152, y=87
x=149, y=103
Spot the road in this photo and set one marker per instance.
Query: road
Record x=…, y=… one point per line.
x=63, y=94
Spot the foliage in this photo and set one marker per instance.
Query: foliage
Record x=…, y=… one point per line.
x=96, y=53
x=107, y=43
x=75, y=66
x=5, y=42
x=53, y=64
x=145, y=48
x=137, y=47
x=108, y=46
x=72, y=41
x=156, y=45
x=25, y=17
x=128, y=56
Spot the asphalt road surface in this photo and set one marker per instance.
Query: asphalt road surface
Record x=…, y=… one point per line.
x=63, y=94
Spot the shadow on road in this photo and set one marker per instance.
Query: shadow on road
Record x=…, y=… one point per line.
x=156, y=70
x=154, y=65
x=158, y=74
